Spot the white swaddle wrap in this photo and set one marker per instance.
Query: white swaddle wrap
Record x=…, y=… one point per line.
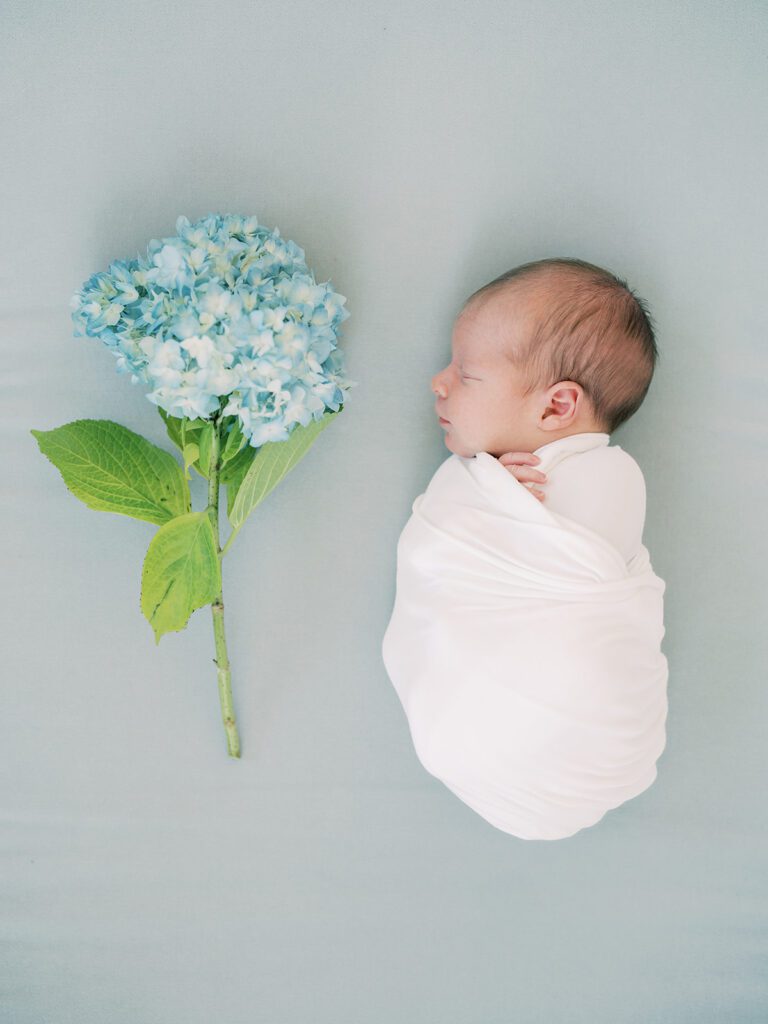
x=525, y=651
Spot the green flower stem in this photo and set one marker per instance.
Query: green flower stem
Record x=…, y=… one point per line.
x=229, y=541
x=217, y=606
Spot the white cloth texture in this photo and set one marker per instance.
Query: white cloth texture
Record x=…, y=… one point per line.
x=524, y=647
x=599, y=486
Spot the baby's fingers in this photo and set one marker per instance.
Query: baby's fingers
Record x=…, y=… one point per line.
x=519, y=457
x=535, y=491
x=523, y=473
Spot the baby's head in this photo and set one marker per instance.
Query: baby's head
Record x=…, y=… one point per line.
x=548, y=349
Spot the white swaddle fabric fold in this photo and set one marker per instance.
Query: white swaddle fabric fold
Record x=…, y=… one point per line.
x=526, y=654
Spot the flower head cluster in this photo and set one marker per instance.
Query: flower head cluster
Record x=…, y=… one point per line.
x=225, y=316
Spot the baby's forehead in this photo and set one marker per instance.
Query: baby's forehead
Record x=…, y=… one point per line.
x=490, y=325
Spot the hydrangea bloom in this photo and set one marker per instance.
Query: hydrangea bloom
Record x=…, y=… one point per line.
x=225, y=316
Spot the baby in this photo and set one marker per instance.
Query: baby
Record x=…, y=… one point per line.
x=554, y=349
x=524, y=641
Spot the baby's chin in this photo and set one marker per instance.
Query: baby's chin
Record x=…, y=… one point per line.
x=469, y=449
x=457, y=446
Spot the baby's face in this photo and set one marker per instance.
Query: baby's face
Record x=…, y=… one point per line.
x=479, y=392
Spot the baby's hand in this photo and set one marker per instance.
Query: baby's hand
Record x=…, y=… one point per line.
x=518, y=464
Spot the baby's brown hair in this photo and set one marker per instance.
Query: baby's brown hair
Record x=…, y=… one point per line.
x=595, y=332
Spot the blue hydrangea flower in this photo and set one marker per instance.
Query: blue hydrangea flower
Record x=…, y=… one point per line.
x=225, y=316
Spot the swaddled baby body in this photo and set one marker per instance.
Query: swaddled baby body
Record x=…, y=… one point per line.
x=524, y=641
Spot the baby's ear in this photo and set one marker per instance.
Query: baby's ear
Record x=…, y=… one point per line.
x=564, y=400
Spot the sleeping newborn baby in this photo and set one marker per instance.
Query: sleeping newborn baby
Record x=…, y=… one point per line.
x=525, y=638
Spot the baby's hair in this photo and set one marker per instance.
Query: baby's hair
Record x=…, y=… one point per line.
x=595, y=332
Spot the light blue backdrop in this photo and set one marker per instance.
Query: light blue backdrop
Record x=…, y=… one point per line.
x=415, y=151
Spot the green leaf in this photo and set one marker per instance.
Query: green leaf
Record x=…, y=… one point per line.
x=233, y=473
x=172, y=427
x=234, y=442
x=181, y=572
x=112, y=469
x=176, y=425
x=190, y=453
x=272, y=462
x=232, y=467
x=184, y=432
x=204, y=441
